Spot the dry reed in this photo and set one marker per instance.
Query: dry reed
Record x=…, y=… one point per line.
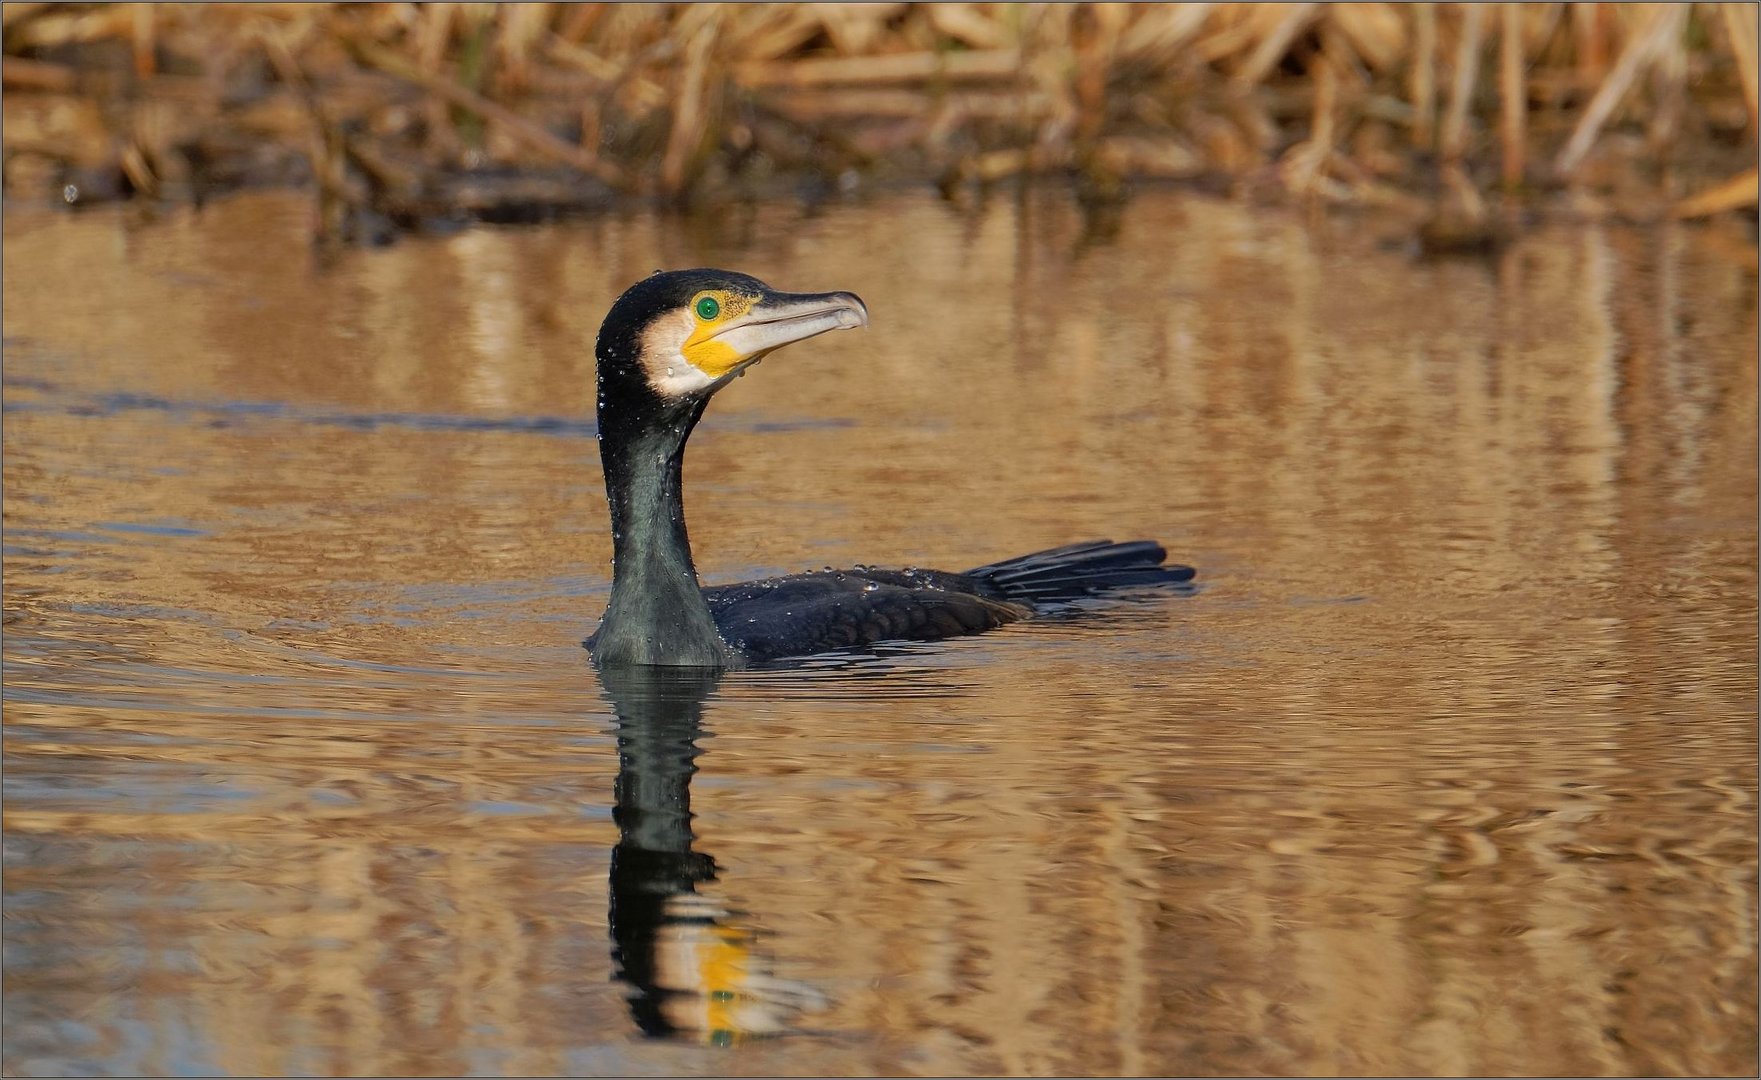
x=396, y=111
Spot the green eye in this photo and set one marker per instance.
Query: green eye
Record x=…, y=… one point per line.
x=708, y=309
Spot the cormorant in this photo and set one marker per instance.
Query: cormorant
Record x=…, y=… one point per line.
x=669, y=343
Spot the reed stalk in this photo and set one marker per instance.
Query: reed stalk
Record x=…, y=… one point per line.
x=689, y=99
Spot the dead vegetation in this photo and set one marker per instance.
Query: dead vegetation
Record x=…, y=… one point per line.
x=400, y=114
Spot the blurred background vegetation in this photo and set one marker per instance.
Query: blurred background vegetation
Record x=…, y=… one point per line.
x=403, y=115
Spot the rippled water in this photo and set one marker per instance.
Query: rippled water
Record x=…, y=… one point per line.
x=1449, y=766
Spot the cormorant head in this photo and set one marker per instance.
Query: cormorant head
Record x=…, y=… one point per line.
x=679, y=335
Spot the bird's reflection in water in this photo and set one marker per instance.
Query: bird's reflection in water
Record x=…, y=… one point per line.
x=690, y=962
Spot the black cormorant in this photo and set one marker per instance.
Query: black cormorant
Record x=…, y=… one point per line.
x=669, y=343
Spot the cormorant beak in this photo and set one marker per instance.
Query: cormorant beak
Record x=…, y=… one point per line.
x=780, y=319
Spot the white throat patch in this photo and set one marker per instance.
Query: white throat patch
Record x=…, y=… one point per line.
x=663, y=357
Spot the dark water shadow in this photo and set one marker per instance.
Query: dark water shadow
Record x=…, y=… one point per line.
x=226, y=414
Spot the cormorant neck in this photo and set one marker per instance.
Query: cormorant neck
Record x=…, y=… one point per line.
x=657, y=613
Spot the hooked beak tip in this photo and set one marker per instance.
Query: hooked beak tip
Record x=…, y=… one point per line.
x=851, y=311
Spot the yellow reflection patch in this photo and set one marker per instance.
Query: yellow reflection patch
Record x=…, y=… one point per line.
x=721, y=972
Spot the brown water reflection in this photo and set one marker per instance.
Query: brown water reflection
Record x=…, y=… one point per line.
x=1449, y=767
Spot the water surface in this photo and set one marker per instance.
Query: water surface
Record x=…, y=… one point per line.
x=1449, y=766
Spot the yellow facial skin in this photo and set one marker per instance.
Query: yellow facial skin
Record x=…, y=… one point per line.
x=715, y=358
x=698, y=347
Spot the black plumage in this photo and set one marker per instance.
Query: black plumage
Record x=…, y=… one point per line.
x=667, y=345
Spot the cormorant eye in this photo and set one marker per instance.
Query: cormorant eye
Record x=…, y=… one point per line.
x=707, y=308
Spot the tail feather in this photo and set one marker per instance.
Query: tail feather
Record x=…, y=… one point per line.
x=1078, y=570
